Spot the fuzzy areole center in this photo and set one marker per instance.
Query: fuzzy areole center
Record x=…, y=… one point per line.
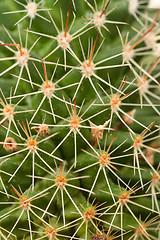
x=128, y=53
x=124, y=198
x=64, y=40
x=155, y=179
x=8, y=112
x=89, y=214
x=60, y=181
x=25, y=203
x=48, y=89
x=22, y=57
x=150, y=40
x=133, y=6
x=138, y=142
x=99, y=19
x=104, y=159
x=88, y=68
x=141, y=230
x=31, y=9
x=51, y=233
x=32, y=144
x=154, y=4
x=143, y=85
x=115, y=102
x=74, y=124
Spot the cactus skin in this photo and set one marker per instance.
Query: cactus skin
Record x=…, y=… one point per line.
x=82, y=170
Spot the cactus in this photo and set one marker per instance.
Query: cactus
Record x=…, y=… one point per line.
x=79, y=121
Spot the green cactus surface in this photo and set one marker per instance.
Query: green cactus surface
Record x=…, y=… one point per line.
x=79, y=119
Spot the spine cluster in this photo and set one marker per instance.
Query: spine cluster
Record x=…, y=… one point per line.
x=79, y=119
